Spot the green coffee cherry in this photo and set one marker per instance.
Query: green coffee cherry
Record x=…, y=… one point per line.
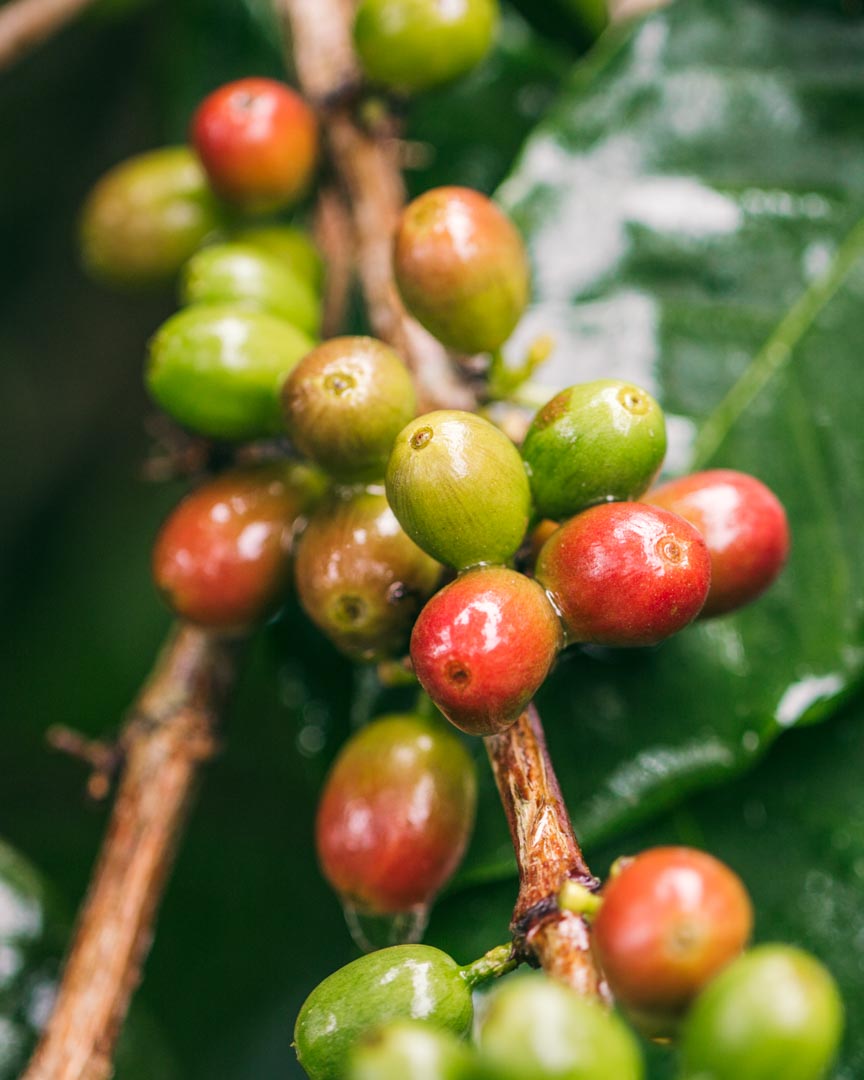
x=411, y=1050
x=240, y=273
x=594, y=442
x=219, y=370
x=459, y=489
x=290, y=245
x=775, y=1012
x=346, y=402
x=413, y=45
x=145, y=217
x=537, y=1029
x=405, y=982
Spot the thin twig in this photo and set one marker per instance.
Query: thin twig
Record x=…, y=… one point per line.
x=24, y=24
x=170, y=732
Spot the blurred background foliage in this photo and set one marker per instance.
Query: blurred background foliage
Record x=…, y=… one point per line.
x=756, y=109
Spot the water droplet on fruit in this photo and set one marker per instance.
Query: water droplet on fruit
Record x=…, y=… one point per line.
x=371, y=931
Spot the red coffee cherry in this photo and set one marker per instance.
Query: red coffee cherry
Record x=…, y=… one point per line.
x=258, y=142
x=482, y=647
x=745, y=528
x=625, y=574
x=396, y=814
x=671, y=919
x=222, y=559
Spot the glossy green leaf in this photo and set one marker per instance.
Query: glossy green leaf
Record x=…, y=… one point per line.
x=693, y=209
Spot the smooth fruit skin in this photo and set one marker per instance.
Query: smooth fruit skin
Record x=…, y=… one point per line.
x=360, y=578
x=292, y=246
x=145, y=217
x=411, y=1050
x=396, y=813
x=459, y=489
x=672, y=918
x=593, y=443
x=346, y=402
x=625, y=574
x=258, y=142
x=404, y=982
x=775, y=1013
x=537, y=1029
x=219, y=369
x=413, y=45
x=745, y=528
x=241, y=274
x=483, y=646
x=461, y=268
x=222, y=559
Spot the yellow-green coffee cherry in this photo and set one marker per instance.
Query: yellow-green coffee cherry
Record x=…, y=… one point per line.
x=145, y=217
x=592, y=443
x=411, y=1050
x=219, y=369
x=459, y=489
x=290, y=245
x=413, y=45
x=240, y=273
x=346, y=402
x=405, y=982
x=537, y=1029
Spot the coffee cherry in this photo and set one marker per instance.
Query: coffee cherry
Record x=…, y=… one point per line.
x=258, y=142
x=360, y=578
x=483, y=646
x=461, y=268
x=537, y=1029
x=745, y=528
x=625, y=574
x=414, y=45
x=396, y=814
x=145, y=217
x=593, y=443
x=219, y=369
x=404, y=982
x=411, y=1050
x=775, y=1013
x=458, y=487
x=238, y=273
x=346, y=402
x=222, y=559
x=290, y=245
x=671, y=919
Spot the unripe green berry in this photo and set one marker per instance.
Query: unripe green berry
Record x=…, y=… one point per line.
x=241, y=274
x=774, y=1014
x=146, y=216
x=459, y=489
x=411, y=1050
x=219, y=369
x=346, y=402
x=537, y=1029
x=413, y=45
x=592, y=443
x=290, y=245
x=461, y=268
x=360, y=578
x=405, y=982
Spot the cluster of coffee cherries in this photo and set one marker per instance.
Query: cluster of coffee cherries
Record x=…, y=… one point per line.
x=669, y=931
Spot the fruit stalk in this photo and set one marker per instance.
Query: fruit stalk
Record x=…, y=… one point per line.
x=170, y=732
x=547, y=855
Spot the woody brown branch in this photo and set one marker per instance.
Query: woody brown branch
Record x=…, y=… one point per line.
x=25, y=24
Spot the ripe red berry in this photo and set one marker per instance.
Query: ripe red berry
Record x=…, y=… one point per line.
x=258, y=142
x=482, y=647
x=625, y=574
x=671, y=919
x=745, y=528
x=396, y=814
x=222, y=558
